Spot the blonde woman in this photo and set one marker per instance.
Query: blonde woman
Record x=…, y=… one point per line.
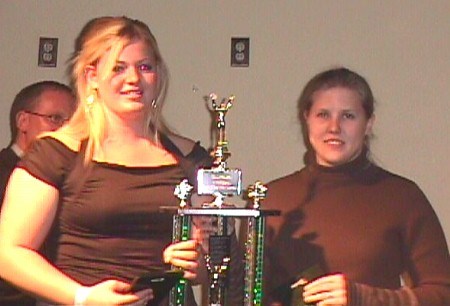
x=89, y=220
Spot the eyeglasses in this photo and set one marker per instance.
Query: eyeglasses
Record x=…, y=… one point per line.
x=54, y=119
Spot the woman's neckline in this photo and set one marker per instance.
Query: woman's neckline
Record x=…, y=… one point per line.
x=358, y=164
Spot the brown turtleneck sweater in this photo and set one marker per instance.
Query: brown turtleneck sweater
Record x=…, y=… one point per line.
x=362, y=221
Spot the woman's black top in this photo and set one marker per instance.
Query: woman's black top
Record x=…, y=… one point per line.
x=108, y=223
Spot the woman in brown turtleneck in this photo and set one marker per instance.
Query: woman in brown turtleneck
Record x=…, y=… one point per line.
x=350, y=231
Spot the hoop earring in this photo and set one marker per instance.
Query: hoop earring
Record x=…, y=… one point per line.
x=154, y=104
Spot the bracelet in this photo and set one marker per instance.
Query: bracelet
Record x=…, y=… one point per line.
x=81, y=296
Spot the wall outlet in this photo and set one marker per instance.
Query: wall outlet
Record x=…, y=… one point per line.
x=48, y=52
x=240, y=52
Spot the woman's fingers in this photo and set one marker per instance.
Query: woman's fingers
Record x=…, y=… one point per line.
x=184, y=255
x=186, y=250
x=326, y=283
x=115, y=292
x=327, y=290
x=145, y=295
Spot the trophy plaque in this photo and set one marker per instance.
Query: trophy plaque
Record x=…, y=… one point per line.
x=220, y=182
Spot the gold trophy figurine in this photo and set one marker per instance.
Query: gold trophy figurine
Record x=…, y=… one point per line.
x=221, y=152
x=219, y=180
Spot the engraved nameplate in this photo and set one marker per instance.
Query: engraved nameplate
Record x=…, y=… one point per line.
x=228, y=182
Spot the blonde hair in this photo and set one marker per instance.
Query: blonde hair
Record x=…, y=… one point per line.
x=99, y=36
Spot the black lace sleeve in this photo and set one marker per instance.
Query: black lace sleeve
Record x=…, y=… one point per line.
x=194, y=160
x=200, y=156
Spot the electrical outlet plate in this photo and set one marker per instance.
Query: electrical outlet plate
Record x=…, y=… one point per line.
x=48, y=52
x=240, y=52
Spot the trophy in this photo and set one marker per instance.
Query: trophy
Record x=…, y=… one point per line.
x=220, y=182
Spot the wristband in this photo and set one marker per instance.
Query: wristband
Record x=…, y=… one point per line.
x=81, y=296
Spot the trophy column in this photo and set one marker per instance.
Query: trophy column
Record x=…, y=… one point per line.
x=221, y=182
x=254, y=248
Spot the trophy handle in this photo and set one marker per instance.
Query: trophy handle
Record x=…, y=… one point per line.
x=181, y=231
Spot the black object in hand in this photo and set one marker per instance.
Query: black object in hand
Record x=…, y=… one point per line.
x=161, y=281
x=308, y=275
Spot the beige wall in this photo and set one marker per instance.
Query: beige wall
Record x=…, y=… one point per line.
x=402, y=47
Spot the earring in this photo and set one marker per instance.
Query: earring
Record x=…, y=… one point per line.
x=154, y=104
x=90, y=102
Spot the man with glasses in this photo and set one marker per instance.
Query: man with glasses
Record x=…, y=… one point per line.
x=40, y=107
